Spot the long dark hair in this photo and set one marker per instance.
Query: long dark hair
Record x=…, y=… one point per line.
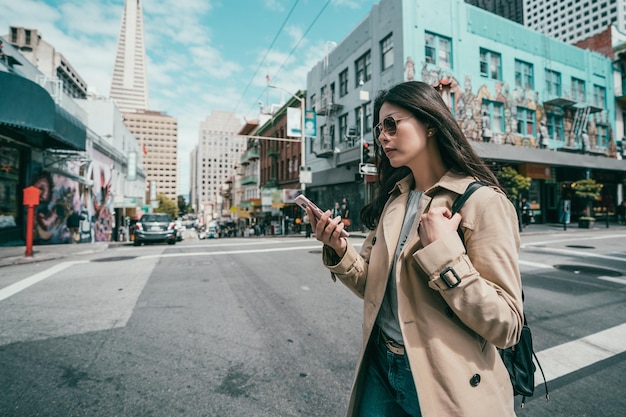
x=457, y=154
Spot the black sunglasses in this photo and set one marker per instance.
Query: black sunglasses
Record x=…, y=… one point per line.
x=389, y=125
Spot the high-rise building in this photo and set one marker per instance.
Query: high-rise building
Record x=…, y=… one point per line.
x=566, y=20
x=129, y=88
x=510, y=9
x=218, y=154
x=572, y=21
x=156, y=132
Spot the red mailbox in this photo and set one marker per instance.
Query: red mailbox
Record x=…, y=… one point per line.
x=31, y=196
x=31, y=199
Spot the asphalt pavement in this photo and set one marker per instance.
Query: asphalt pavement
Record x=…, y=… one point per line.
x=16, y=254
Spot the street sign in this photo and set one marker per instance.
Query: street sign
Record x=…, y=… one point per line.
x=368, y=169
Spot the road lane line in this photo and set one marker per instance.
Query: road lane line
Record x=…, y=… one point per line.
x=583, y=254
x=614, y=279
x=536, y=264
x=572, y=356
x=33, y=279
x=573, y=239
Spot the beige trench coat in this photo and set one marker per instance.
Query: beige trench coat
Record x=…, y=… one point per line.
x=450, y=334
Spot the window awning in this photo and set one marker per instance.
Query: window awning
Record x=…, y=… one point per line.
x=30, y=114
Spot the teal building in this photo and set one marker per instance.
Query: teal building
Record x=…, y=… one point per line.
x=525, y=100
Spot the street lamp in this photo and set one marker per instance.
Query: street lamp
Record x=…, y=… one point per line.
x=302, y=101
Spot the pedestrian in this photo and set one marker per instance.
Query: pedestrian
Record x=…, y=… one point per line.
x=435, y=306
x=336, y=211
x=345, y=211
x=527, y=213
x=307, y=226
x=73, y=223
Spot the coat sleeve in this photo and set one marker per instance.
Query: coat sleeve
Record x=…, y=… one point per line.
x=351, y=269
x=481, y=280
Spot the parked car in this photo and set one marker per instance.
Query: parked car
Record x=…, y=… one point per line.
x=155, y=227
x=211, y=232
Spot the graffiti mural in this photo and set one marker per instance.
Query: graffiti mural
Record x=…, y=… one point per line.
x=58, y=198
x=100, y=201
x=478, y=123
x=61, y=195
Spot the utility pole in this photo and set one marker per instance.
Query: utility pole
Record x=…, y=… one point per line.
x=364, y=97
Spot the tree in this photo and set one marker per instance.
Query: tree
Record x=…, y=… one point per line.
x=183, y=207
x=587, y=190
x=166, y=206
x=514, y=184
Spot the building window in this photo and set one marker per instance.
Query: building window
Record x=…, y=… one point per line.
x=343, y=127
x=343, y=83
x=386, y=52
x=578, y=90
x=525, y=121
x=602, y=141
x=524, y=75
x=494, y=112
x=363, y=68
x=438, y=50
x=553, y=83
x=599, y=96
x=554, y=123
x=490, y=64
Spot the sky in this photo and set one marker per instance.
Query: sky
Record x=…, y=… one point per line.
x=202, y=55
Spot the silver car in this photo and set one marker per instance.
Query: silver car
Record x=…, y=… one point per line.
x=155, y=227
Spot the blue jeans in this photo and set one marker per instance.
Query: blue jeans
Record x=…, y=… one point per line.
x=388, y=389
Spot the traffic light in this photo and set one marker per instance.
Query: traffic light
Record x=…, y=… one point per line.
x=366, y=152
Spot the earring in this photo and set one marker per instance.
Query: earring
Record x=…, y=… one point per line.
x=431, y=132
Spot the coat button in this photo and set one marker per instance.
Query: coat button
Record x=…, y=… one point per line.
x=374, y=240
x=449, y=312
x=475, y=380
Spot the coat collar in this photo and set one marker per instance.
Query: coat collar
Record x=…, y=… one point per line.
x=451, y=181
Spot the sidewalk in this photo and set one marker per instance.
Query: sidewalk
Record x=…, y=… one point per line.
x=15, y=255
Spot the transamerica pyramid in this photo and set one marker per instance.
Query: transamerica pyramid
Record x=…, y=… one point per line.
x=129, y=87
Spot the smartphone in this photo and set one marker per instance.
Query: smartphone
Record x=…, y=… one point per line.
x=304, y=202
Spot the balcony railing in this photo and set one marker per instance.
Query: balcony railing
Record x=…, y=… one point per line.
x=250, y=180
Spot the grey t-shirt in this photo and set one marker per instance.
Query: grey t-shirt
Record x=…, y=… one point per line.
x=387, y=318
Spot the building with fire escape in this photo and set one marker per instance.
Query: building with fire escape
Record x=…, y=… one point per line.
x=524, y=99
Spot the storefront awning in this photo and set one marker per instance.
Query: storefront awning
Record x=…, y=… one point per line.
x=30, y=114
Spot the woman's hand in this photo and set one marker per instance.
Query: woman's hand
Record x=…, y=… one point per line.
x=437, y=222
x=328, y=231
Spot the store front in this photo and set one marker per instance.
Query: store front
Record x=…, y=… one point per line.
x=31, y=123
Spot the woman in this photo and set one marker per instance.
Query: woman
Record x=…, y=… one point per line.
x=435, y=307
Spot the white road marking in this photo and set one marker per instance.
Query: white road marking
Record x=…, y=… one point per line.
x=614, y=279
x=32, y=280
x=573, y=239
x=583, y=254
x=536, y=264
x=572, y=356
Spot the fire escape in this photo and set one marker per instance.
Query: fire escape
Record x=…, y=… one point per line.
x=325, y=106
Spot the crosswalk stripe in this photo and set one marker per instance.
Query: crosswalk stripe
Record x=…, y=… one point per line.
x=33, y=279
x=572, y=356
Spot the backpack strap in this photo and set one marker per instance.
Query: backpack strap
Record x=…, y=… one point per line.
x=458, y=203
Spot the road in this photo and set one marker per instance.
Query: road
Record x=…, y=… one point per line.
x=256, y=327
